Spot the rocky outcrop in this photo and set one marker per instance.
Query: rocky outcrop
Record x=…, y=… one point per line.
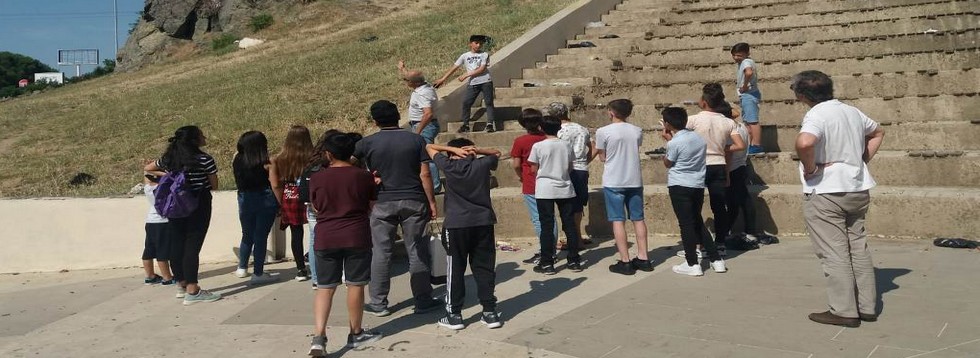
x=168, y=23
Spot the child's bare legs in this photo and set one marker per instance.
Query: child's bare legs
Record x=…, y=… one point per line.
x=321, y=309
x=355, y=307
x=755, y=134
x=640, y=228
x=164, y=267
x=619, y=232
x=148, y=269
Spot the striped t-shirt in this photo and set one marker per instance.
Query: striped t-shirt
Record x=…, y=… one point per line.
x=197, y=176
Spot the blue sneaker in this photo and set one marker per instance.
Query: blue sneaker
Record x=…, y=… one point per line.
x=756, y=149
x=201, y=296
x=171, y=281
x=156, y=279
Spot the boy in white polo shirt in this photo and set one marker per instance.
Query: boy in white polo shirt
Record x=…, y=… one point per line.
x=477, y=63
x=551, y=160
x=618, y=147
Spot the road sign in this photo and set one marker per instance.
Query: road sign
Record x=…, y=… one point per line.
x=77, y=58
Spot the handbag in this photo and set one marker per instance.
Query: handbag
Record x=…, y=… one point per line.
x=438, y=248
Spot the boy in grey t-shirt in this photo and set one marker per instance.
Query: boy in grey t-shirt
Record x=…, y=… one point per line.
x=746, y=82
x=685, y=160
x=618, y=147
x=552, y=159
x=477, y=64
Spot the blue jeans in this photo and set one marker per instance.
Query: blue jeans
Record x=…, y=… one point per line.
x=257, y=212
x=750, y=106
x=311, y=255
x=429, y=133
x=532, y=210
x=469, y=98
x=623, y=202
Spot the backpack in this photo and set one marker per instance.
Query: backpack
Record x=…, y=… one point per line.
x=173, y=197
x=304, y=182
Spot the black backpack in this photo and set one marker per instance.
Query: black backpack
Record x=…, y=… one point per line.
x=304, y=181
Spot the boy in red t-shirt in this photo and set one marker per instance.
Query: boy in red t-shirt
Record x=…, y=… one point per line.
x=342, y=195
x=531, y=121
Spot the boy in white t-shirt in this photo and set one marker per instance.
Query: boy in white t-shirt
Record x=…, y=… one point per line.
x=618, y=147
x=477, y=63
x=158, y=239
x=551, y=160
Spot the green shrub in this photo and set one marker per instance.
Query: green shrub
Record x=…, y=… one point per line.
x=260, y=22
x=224, y=44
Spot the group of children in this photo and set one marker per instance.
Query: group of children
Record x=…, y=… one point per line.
x=329, y=187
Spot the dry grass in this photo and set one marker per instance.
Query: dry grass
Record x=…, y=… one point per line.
x=314, y=71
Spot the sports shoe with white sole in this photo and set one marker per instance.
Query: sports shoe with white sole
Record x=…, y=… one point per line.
x=719, y=266
x=365, y=337
x=263, y=279
x=181, y=291
x=491, y=319
x=318, y=347
x=241, y=273
x=685, y=269
x=201, y=296
x=452, y=321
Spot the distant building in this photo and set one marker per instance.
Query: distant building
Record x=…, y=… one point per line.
x=51, y=77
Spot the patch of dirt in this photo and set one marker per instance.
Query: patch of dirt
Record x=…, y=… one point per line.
x=6, y=144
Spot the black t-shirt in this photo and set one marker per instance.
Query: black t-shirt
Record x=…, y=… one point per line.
x=250, y=179
x=467, y=190
x=397, y=155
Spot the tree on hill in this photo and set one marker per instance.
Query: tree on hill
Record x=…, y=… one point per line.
x=15, y=67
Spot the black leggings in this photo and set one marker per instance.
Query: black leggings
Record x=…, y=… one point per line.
x=296, y=234
x=714, y=179
x=188, y=239
x=738, y=198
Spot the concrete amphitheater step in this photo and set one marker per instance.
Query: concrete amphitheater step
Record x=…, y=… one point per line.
x=833, y=32
x=953, y=135
x=948, y=17
x=600, y=73
x=951, y=41
x=625, y=13
x=886, y=85
x=902, y=110
x=897, y=168
x=895, y=211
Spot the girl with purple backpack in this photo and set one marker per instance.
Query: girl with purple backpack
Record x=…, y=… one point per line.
x=184, y=155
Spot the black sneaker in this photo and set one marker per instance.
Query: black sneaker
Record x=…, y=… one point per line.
x=547, y=269
x=427, y=306
x=452, y=321
x=302, y=275
x=491, y=128
x=318, y=347
x=171, y=281
x=623, y=268
x=491, y=320
x=463, y=129
x=156, y=279
x=365, y=337
x=575, y=265
x=534, y=259
x=377, y=311
x=642, y=265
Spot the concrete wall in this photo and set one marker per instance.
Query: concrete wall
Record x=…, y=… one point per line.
x=535, y=45
x=73, y=234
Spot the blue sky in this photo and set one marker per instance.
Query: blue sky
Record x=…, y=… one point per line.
x=39, y=28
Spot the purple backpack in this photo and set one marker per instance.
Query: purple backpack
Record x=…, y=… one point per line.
x=173, y=196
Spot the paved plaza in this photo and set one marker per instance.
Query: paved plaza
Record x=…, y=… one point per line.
x=928, y=308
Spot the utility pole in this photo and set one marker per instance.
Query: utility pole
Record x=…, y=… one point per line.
x=115, y=29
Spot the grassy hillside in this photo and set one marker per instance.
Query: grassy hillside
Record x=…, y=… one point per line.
x=319, y=73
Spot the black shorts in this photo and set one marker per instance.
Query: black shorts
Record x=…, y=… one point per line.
x=353, y=265
x=580, y=182
x=159, y=238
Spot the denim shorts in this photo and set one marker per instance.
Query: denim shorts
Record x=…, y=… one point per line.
x=623, y=201
x=750, y=106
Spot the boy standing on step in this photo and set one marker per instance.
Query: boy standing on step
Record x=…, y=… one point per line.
x=686, y=169
x=581, y=141
x=617, y=145
x=551, y=160
x=477, y=63
x=468, y=227
x=746, y=81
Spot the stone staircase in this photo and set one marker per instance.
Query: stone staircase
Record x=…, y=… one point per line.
x=912, y=65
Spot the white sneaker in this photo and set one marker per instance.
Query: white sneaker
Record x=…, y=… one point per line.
x=241, y=273
x=684, y=269
x=261, y=280
x=719, y=266
x=751, y=238
x=701, y=254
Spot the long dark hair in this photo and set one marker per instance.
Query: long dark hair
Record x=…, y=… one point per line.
x=183, y=150
x=253, y=149
x=319, y=149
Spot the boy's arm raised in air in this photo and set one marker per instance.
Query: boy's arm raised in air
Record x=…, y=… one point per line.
x=434, y=149
x=438, y=83
x=482, y=151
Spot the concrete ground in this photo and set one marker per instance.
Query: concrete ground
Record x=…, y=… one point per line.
x=928, y=308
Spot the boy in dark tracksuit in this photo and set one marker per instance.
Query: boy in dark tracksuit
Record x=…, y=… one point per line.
x=468, y=226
